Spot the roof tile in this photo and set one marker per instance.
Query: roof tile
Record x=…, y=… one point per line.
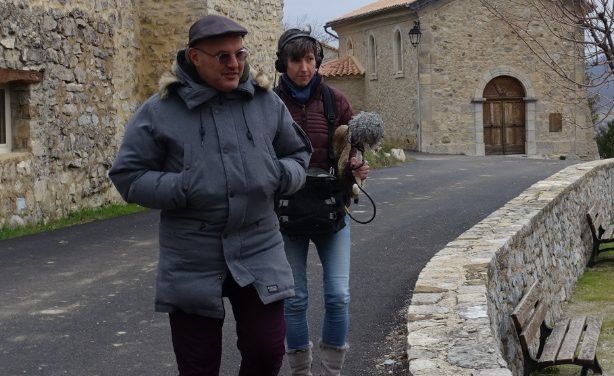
x=374, y=7
x=343, y=66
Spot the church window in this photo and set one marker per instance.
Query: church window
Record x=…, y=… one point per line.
x=350, y=47
x=372, y=57
x=397, y=53
x=5, y=121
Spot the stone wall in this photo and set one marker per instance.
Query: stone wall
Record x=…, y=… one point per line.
x=99, y=60
x=164, y=28
x=459, y=318
x=263, y=20
x=352, y=89
x=65, y=125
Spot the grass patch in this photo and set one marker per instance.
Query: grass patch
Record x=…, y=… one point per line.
x=381, y=158
x=79, y=217
x=593, y=296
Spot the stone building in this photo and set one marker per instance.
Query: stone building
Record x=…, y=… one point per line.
x=470, y=86
x=330, y=52
x=71, y=75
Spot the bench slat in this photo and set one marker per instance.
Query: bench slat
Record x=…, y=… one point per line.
x=608, y=235
x=533, y=325
x=570, y=343
x=525, y=307
x=594, y=220
x=589, y=341
x=553, y=343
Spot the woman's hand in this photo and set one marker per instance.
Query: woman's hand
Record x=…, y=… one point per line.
x=359, y=169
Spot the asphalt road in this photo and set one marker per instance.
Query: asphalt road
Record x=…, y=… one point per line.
x=79, y=301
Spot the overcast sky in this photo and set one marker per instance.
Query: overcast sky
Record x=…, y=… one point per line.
x=319, y=11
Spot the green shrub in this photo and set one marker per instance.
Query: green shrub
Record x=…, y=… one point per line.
x=605, y=140
x=380, y=158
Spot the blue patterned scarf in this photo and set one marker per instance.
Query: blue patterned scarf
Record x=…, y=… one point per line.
x=301, y=95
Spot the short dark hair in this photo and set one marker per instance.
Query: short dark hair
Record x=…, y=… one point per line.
x=299, y=47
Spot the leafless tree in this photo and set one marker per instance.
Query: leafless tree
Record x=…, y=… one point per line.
x=583, y=29
x=317, y=28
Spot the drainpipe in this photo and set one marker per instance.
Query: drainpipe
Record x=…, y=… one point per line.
x=329, y=33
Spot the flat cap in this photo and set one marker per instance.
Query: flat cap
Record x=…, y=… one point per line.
x=213, y=26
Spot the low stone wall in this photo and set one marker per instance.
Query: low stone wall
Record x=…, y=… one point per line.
x=459, y=318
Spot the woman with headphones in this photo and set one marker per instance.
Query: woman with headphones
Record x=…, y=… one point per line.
x=301, y=88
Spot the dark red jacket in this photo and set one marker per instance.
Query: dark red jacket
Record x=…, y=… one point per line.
x=311, y=118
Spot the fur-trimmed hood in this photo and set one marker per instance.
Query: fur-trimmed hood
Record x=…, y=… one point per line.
x=183, y=74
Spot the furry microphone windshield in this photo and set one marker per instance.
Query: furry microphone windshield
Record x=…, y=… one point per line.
x=366, y=130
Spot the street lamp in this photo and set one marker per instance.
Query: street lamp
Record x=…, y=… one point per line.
x=414, y=39
x=415, y=34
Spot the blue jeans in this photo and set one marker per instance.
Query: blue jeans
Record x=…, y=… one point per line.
x=334, y=253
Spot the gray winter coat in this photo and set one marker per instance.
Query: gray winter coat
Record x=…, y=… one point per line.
x=212, y=162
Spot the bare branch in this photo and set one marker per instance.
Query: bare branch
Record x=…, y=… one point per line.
x=583, y=28
x=317, y=28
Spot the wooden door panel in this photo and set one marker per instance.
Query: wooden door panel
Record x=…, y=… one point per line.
x=515, y=128
x=504, y=127
x=492, y=128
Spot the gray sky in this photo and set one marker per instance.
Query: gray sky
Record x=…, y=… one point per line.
x=319, y=11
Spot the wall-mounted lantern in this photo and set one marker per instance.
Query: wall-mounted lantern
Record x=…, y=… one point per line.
x=415, y=34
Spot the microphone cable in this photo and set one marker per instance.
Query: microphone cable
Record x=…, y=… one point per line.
x=347, y=210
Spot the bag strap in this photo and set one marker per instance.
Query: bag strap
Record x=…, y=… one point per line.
x=330, y=114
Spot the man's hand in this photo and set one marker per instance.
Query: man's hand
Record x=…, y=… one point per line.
x=359, y=170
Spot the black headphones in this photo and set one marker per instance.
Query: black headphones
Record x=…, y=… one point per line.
x=281, y=64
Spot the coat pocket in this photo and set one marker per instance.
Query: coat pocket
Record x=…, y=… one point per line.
x=264, y=169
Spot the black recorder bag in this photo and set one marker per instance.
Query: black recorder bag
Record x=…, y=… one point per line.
x=317, y=209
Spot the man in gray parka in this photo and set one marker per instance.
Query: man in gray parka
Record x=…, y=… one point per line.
x=211, y=150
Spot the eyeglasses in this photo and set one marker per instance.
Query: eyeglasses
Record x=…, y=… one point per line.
x=224, y=57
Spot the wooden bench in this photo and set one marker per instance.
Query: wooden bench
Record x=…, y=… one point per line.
x=602, y=232
x=571, y=341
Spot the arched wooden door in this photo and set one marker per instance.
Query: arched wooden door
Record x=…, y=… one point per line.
x=504, y=116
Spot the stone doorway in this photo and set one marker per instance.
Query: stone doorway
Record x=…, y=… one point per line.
x=504, y=116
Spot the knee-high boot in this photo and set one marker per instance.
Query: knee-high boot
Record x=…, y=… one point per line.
x=300, y=361
x=332, y=359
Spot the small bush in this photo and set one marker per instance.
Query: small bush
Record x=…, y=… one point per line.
x=605, y=140
x=381, y=157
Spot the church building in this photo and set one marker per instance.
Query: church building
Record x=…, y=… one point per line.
x=450, y=77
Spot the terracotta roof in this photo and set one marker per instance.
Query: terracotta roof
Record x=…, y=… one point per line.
x=372, y=8
x=343, y=66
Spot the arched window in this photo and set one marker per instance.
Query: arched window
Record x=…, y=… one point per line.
x=372, y=57
x=350, y=47
x=5, y=121
x=397, y=51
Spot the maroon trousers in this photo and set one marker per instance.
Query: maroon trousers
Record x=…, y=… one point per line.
x=197, y=340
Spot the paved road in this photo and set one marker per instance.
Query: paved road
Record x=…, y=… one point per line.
x=78, y=301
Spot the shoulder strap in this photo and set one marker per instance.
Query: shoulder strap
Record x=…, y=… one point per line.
x=330, y=114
